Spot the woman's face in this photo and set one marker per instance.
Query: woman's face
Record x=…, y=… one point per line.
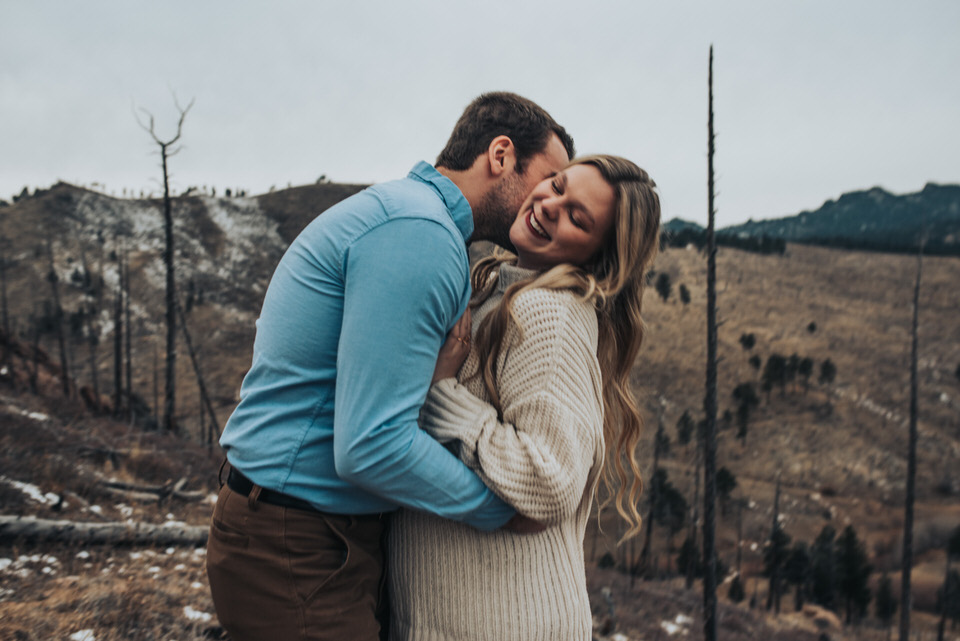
x=565, y=219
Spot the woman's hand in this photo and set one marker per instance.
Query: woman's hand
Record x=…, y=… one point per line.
x=454, y=350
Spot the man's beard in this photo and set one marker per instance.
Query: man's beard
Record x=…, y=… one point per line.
x=497, y=211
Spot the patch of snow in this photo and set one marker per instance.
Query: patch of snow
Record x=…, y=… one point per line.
x=32, y=491
x=196, y=615
x=154, y=570
x=671, y=628
x=136, y=556
x=179, y=567
x=83, y=554
x=170, y=551
x=683, y=619
x=196, y=585
x=173, y=524
x=96, y=509
x=5, y=563
x=83, y=635
x=125, y=510
x=200, y=552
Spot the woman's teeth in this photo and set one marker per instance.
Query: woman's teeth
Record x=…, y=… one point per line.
x=536, y=226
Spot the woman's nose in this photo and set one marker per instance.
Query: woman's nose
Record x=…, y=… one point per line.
x=550, y=207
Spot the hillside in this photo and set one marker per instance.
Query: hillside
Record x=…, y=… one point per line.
x=839, y=446
x=872, y=219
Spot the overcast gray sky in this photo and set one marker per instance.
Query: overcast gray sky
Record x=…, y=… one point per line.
x=813, y=98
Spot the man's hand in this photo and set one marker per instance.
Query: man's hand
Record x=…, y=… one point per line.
x=521, y=524
x=454, y=350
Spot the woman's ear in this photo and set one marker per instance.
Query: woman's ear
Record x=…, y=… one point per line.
x=501, y=156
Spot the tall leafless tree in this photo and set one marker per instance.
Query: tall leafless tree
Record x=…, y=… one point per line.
x=205, y=403
x=643, y=564
x=905, y=597
x=118, y=338
x=167, y=150
x=127, y=336
x=54, y=280
x=710, y=398
x=773, y=594
x=3, y=284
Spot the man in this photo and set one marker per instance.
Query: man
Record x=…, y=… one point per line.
x=325, y=438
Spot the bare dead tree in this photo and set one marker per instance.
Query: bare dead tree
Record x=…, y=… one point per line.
x=710, y=398
x=691, y=572
x=905, y=596
x=215, y=424
x=156, y=385
x=118, y=338
x=773, y=594
x=4, y=309
x=53, y=279
x=643, y=564
x=128, y=361
x=167, y=150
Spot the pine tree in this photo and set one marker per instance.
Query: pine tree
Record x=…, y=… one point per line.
x=823, y=567
x=828, y=372
x=853, y=572
x=953, y=553
x=747, y=399
x=663, y=286
x=796, y=571
x=726, y=484
x=685, y=427
x=885, y=603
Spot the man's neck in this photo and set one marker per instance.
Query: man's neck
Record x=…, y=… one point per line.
x=466, y=181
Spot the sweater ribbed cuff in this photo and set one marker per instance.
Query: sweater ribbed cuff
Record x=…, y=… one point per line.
x=452, y=412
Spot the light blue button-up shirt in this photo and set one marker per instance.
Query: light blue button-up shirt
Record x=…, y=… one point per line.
x=346, y=345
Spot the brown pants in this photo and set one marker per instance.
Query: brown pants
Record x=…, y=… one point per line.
x=283, y=574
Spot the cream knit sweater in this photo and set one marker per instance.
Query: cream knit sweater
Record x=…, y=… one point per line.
x=451, y=582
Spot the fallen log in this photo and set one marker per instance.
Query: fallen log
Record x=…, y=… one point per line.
x=27, y=529
x=151, y=493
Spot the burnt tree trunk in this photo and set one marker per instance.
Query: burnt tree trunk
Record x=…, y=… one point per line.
x=905, y=597
x=643, y=564
x=53, y=279
x=710, y=398
x=118, y=339
x=167, y=150
x=205, y=398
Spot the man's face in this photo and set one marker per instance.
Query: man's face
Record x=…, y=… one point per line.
x=499, y=206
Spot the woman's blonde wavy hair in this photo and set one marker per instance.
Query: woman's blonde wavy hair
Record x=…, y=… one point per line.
x=613, y=281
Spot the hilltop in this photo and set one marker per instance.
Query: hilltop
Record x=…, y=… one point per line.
x=872, y=219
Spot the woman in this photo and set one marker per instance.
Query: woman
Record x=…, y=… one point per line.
x=542, y=399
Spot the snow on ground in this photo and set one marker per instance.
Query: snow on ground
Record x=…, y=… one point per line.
x=32, y=491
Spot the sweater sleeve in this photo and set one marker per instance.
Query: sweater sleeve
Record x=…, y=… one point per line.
x=538, y=457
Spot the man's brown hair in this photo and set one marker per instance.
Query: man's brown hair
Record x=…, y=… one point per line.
x=501, y=113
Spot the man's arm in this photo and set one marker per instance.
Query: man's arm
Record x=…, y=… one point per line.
x=404, y=286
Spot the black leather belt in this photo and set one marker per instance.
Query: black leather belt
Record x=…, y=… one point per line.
x=242, y=485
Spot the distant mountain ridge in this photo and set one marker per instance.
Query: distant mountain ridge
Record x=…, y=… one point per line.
x=872, y=219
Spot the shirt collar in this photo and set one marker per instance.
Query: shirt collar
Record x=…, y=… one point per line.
x=451, y=195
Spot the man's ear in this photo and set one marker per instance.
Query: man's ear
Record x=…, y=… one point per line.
x=501, y=156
